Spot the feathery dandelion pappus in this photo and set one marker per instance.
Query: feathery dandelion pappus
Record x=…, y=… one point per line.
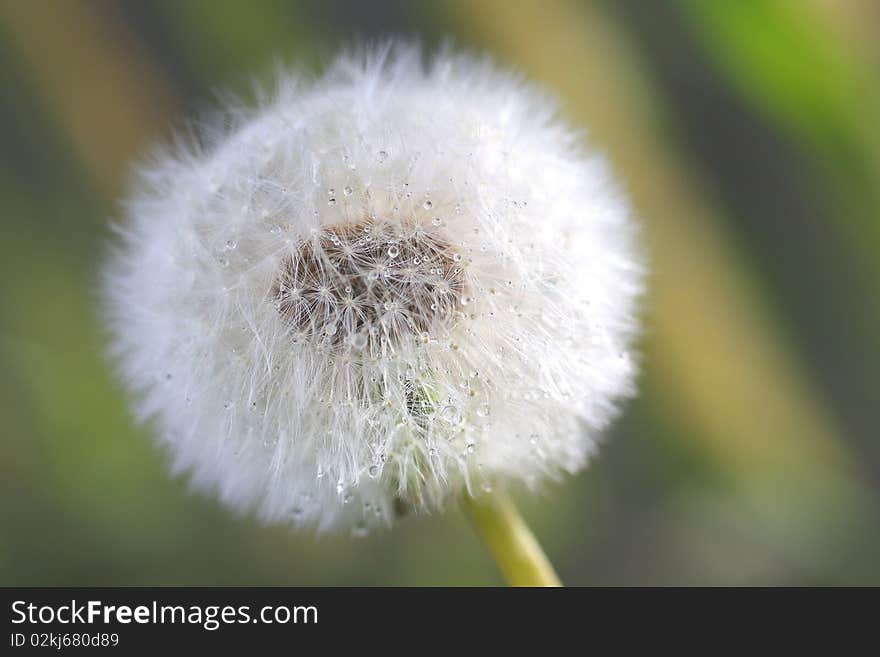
x=380, y=288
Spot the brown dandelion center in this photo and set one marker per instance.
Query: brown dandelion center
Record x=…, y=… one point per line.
x=367, y=283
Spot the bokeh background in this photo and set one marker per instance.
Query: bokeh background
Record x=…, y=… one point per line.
x=748, y=134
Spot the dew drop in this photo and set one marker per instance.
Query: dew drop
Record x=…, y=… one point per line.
x=382, y=156
x=428, y=205
x=359, y=340
x=393, y=251
x=436, y=221
x=457, y=257
x=227, y=404
x=471, y=448
x=483, y=410
x=373, y=471
x=451, y=414
x=348, y=191
x=224, y=262
x=486, y=487
x=231, y=244
x=331, y=201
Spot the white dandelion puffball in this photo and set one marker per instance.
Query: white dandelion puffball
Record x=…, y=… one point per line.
x=379, y=289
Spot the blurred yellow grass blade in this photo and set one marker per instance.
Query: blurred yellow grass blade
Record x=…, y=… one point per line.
x=855, y=24
x=106, y=93
x=713, y=355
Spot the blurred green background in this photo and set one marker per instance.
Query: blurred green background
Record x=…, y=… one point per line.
x=748, y=134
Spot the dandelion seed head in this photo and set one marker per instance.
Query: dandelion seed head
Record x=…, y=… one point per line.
x=375, y=290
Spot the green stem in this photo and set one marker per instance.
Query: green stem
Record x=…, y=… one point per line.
x=510, y=541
